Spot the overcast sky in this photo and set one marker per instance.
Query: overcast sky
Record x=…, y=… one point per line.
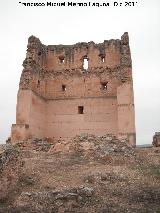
x=57, y=25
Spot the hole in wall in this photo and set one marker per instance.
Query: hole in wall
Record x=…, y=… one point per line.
x=102, y=58
x=80, y=109
x=104, y=85
x=85, y=63
x=61, y=59
x=63, y=87
x=38, y=83
x=39, y=53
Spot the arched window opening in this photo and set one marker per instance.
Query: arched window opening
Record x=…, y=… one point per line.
x=61, y=59
x=102, y=58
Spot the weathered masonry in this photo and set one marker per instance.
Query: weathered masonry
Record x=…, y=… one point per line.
x=66, y=90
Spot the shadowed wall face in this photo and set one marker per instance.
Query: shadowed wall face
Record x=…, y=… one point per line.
x=66, y=90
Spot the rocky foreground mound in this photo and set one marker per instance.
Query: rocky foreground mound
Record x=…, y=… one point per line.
x=10, y=170
x=86, y=174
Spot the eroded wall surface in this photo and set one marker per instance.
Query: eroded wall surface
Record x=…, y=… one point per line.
x=58, y=97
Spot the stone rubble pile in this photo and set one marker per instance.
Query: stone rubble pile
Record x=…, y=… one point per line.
x=99, y=146
x=35, y=144
x=55, y=201
x=10, y=170
x=156, y=139
x=100, y=177
x=102, y=145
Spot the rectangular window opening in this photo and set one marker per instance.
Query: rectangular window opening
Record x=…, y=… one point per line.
x=80, y=109
x=38, y=83
x=63, y=87
x=85, y=63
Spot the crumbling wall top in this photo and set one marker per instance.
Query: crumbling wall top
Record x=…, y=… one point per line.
x=125, y=38
x=34, y=42
x=111, y=57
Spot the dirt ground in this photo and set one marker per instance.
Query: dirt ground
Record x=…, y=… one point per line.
x=90, y=178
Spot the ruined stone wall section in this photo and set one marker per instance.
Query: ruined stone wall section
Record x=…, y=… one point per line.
x=43, y=63
x=102, y=55
x=54, y=83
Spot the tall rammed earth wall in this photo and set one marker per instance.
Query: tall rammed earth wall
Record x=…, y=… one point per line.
x=59, y=98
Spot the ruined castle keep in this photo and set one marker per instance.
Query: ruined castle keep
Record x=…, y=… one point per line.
x=59, y=97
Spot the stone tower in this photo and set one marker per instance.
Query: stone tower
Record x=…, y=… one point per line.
x=59, y=97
